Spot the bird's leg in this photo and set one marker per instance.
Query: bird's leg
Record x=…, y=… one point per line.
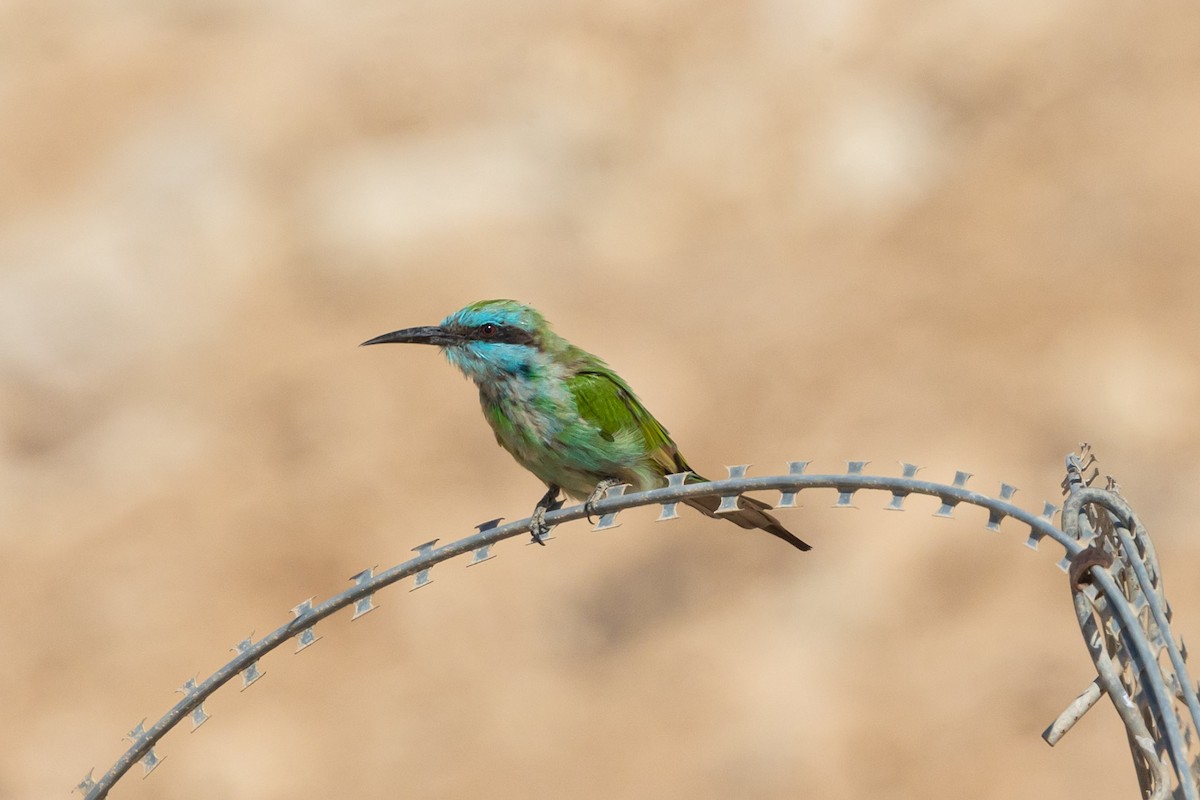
x=537, y=521
x=589, y=505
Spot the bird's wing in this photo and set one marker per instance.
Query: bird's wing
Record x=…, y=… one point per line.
x=607, y=402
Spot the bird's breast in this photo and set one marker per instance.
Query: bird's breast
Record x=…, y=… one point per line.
x=525, y=419
x=544, y=431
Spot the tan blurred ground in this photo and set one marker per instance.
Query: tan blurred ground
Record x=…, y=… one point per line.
x=961, y=234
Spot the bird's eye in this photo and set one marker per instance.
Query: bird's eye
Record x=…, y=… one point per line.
x=489, y=329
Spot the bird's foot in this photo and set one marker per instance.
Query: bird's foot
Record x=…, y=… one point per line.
x=537, y=521
x=589, y=505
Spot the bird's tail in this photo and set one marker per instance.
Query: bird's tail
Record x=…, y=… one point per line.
x=751, y=513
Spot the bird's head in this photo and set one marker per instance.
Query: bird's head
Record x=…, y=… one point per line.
x=489, y=340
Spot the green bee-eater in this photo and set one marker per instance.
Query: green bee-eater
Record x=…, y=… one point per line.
x=563, y=414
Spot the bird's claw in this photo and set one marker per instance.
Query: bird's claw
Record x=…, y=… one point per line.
x=537, y=521
x=537, y=525
x=589, y=505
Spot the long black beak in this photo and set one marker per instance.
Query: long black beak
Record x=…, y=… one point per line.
x=426, y=334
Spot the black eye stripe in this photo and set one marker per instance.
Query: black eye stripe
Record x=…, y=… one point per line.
x=501, y=334
x=511, y=335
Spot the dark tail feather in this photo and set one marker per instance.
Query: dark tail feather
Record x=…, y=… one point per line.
x=751, y=513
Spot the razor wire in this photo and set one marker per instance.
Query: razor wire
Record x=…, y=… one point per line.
x=1113, y=571
x=1117, y=590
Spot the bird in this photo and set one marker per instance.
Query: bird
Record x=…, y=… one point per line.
x=564, y=414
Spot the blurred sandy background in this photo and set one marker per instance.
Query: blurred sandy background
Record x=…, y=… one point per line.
x=960, y=234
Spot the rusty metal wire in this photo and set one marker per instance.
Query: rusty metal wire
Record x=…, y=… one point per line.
x=1123, y=613
x=1125, y=650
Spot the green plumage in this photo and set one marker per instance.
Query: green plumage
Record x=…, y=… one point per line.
x=606, y=402
x=562, y=413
